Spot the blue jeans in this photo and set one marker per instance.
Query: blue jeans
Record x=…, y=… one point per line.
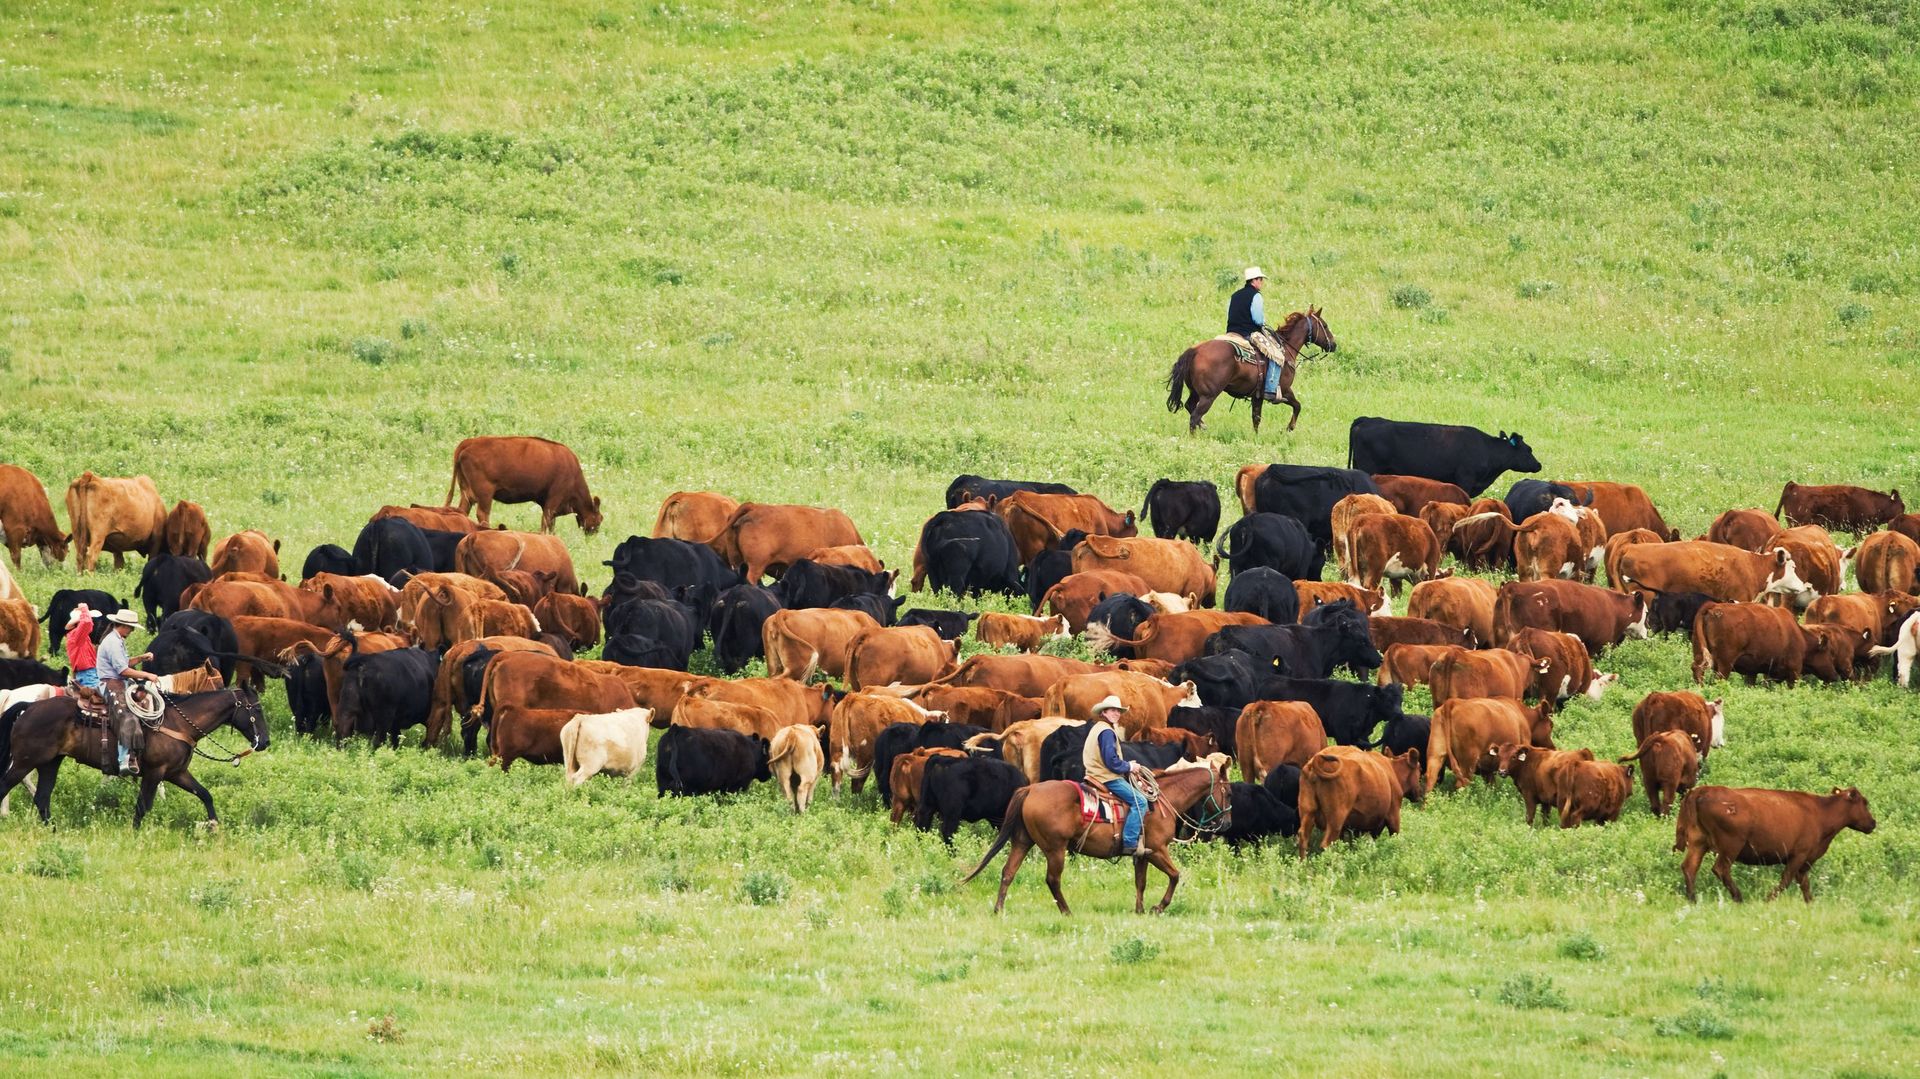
x=1273, y=377
x=1136, y=817
x=89, y=678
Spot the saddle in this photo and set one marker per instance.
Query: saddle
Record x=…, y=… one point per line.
x=1099, y=806
x=1255, y=351
x=90, y=702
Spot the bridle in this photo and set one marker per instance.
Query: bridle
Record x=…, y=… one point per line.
x=252, y=712
x=1214, y=808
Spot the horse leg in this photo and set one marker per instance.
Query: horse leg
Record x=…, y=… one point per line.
x=14, y=777
x=1016, y=853
x=1286, y=396
x=1163, y=862
x=1056, y=865
x=1197, y=407
x=149, y=786
x=186, y=782
x=1139, y=885
x=43, y=798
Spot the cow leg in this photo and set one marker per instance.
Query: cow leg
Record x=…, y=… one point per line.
x=43, y=794
x=1139, y=885
x=1336, y=826
x=1806, y=887
x=1690, y=866
x=1056, y=865
x=1016, y=853
x=13, y=548
x=119, y=560
x=1787, y=876
x=1723, y=868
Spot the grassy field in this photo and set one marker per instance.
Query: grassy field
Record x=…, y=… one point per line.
x=283, y=257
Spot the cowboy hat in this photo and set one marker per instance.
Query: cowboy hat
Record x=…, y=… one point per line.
x=1252, y=272
x=1109, y=701
x=124, y=617
x=79, y=612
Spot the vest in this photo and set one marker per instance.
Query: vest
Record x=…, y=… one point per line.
x=1240, y=312
x=1090, y=758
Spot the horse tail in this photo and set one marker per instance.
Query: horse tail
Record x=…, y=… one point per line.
x=1177, y=378
x=6, y=734
x=1015, y=824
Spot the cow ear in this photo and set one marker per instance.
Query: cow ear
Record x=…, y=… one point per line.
x=1503, y=434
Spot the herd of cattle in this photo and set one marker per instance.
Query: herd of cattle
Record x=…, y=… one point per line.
x=433, y=617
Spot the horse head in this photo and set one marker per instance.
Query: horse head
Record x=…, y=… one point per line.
x=248, y=717
x=1318, y=332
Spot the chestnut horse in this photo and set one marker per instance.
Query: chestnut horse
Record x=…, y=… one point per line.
x=1047, y=815
x=1210, y=369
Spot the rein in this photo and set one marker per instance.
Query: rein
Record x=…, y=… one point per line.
x=1208, y=821
x=194, y=743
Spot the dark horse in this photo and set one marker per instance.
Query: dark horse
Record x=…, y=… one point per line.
x=1047, y=815
x=1210, y=369
x=40, y=735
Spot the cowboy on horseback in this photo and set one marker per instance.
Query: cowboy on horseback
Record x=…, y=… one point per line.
x=113, y=669
x=1247, y=318
x=1105, y=766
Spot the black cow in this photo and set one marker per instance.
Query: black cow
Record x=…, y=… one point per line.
x=960, y=789
x=188, y=639
x=970, y=553
x=387, y=546
x=1122, y=614
x=1307, y=493
x=562, y=648
x=162, y=580
x=1334, y=635
x=1528, y=497
x=1275, y=541
x=1672, y=612
x=329, y=558
x=675, y=565
x=690, y=761
x=1051, y=566
x=1284, y=784
x=950, y=625
x=1348, y=710
x=1211, y=720
x=307, y=694
x=384, y=693
x=473, y=678
x=968, y=488
x=879, y=608
x=1182, y=509
x=898, y=738
x=1263, y=591
x=665, y=621
x=442, y=544
x=18, y=673
x=1446, y=452
x=734, y=622
x=1404, y=732
x=1060, y=754
x=1228, y=680
x=807, y=583
x=1257, y=814
x=60, y=608
x=634, y=650
x=626, y=587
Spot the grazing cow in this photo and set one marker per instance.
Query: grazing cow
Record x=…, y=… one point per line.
x=950, y=625
x=1674, y=612
x=1593, y=791
x=1482, y=539
x=267, y=637
x=1816, y=559
x=1078, y=594
x=250, y=551
x=26, y=517
x=1387, y=631
x=967, y=553
x=911, y=655
x=523, y=587
x=712, y=715
x=789, y=701
x=1341, y=520
x=1465, y=603
x=988, y=709
x=1528, y=497
x=263, y=597
x=329, y=558
x=1314, y=594
x=1755, y=826
x=1465, y=730
x=1601, y=618
x=966, y=789
x=614, y=742
x=1402, y=733
x=1412, y=664
x=673, y=564
x=854, y=725
x=1704, y=722
x=1308, y=494
x=431, y=623
x=1148, y=699
x=1623, y=507
x=162, y=580
x=1183, y=510
x=19, y=629
x=1050, y=567
x=1275, y=542
x=1272, y=733
x=1264, y=592
x=1023, y=632
x=1569, y=665
x=393, y=545
x=1257, y=814
x=526, y=697
x=1466, y=456
x=114, y=516
x=689, y=761
x=901, y=738
x=453, y=694
x=307, y=695
x=1230, y=679
x=969, y=488
x=797, y=643
x=694, y=516
x=1869, y=619
x=1348, y=710
x=903, y=780
x=1754, y=639
x=385, y=693
x=878, y=608
x=1887, y=562
x=483, y=553
x=1026, y=675
x=1345, y=790
x=765, y=538
x=491, y=469
x=1538, y=772
x=1410, y=494
x=1840, y=507
x=1174, y=638
x=1393, y=547
x=1443, y=516
x=429, y=518
x=1495, y=672
x=1545, y=545
x=1749, y=530
x=857, y=555
x=1669, y=767
x=806, y=583
x=468, y=617
x=575, y=618
x=1165, y=565
x=737, y=622
x=1330, y=637
x=1617, y=544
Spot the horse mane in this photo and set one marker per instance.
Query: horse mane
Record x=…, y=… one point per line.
x=1288, y=322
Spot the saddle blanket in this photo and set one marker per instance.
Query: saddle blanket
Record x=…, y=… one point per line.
x=1098, y=805
x=1246, y=351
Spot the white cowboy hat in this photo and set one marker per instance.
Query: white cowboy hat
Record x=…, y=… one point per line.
x=1252, y=272
x=1109, y=701
x=79, y=612
x=124, y=617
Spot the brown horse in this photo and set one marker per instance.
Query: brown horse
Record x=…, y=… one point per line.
x=1047, y=815
x=1210, y=369
x=39, y=736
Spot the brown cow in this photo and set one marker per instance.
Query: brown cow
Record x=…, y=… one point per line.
x=1345, y=512
x=186, y=532
x=1816, y=558
x=574, y=618
x=1546, y=545
x=1569, y=665
x=1669, y=767
x=1725, y=572
x=259, y=597
x=1841, y=507
x=1411, y=664
x=250, y=551
x=1623, y=507
x=903, y=782
x=785, y=698
x=1755, y=826
x=857, y=555
x=1907, y=524
x=1464, y=731
x=1020, y=743
x=762, y=538
x=1409, y=494
x=979, y=706
x=1887, y=562
x=912, y=655
x=657, y=688
x=269, y=637
x=467, y=617
x=1026, y=675
x=1175, y=638
x=1269, y=734
x=1441, y=517
x=1149, y=700
x=1487, y=543
x=704, y=713
x=1869, y=618
x=1037, y=521
x=1616, y=544
x=369, y=601
x=428, y=518
x=1243, y=482
x=1394, y=547
x=1748, y=530
x=1077, y=594
x=1753, y=639
x=520, y=468
x=482, y=554
x=1166, y=565
x=694, y=516
x=1704, y=722
x=1600, y=617
x=26, y=517
x=1539, y=773
x=798, y=642
x=858, y=719
x=996, y=630
x=1834, y=663
x=1465, y=603
x=341, y=647
x=1314, y=593
x=1343, y=789
x=531, y=696
x=1387, y=631
x=449, y=687
x=19, y=629
x=523, y=587
x=1494, y=672
x=1593, y=791
x=114, y=516
x=435, y=625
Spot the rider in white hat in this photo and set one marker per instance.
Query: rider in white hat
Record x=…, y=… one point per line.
x=114, y=668
x=1247, y=316
x=1104, y=765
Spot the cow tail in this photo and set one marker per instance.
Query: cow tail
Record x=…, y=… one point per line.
x=1147, y=503
x=453, y=483
x=1178, y=377
x=1782, y=504
x=1683, y=820
x=569, y=739
x=1014, y=825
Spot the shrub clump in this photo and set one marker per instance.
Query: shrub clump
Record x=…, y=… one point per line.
x=1581, y=946
x=1410, y=297
x=1530, y=991
x=1134, y=950
x=56, y=861
x=372, y=351
x=764, y=888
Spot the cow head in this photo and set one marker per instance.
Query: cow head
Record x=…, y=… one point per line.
x=1505, y=755
x=1859, y=817
x=1599, y=685
x=53, y=549
x=589, y=516
x=1406, y=772
x=1784, y=580
x=1637, y=629
x=1717, y=722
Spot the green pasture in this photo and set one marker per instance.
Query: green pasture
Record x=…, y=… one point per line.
x=282, y=257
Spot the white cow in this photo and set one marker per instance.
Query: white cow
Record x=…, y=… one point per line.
x=609, y=742
x=796, y=759
x=1906, y=646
